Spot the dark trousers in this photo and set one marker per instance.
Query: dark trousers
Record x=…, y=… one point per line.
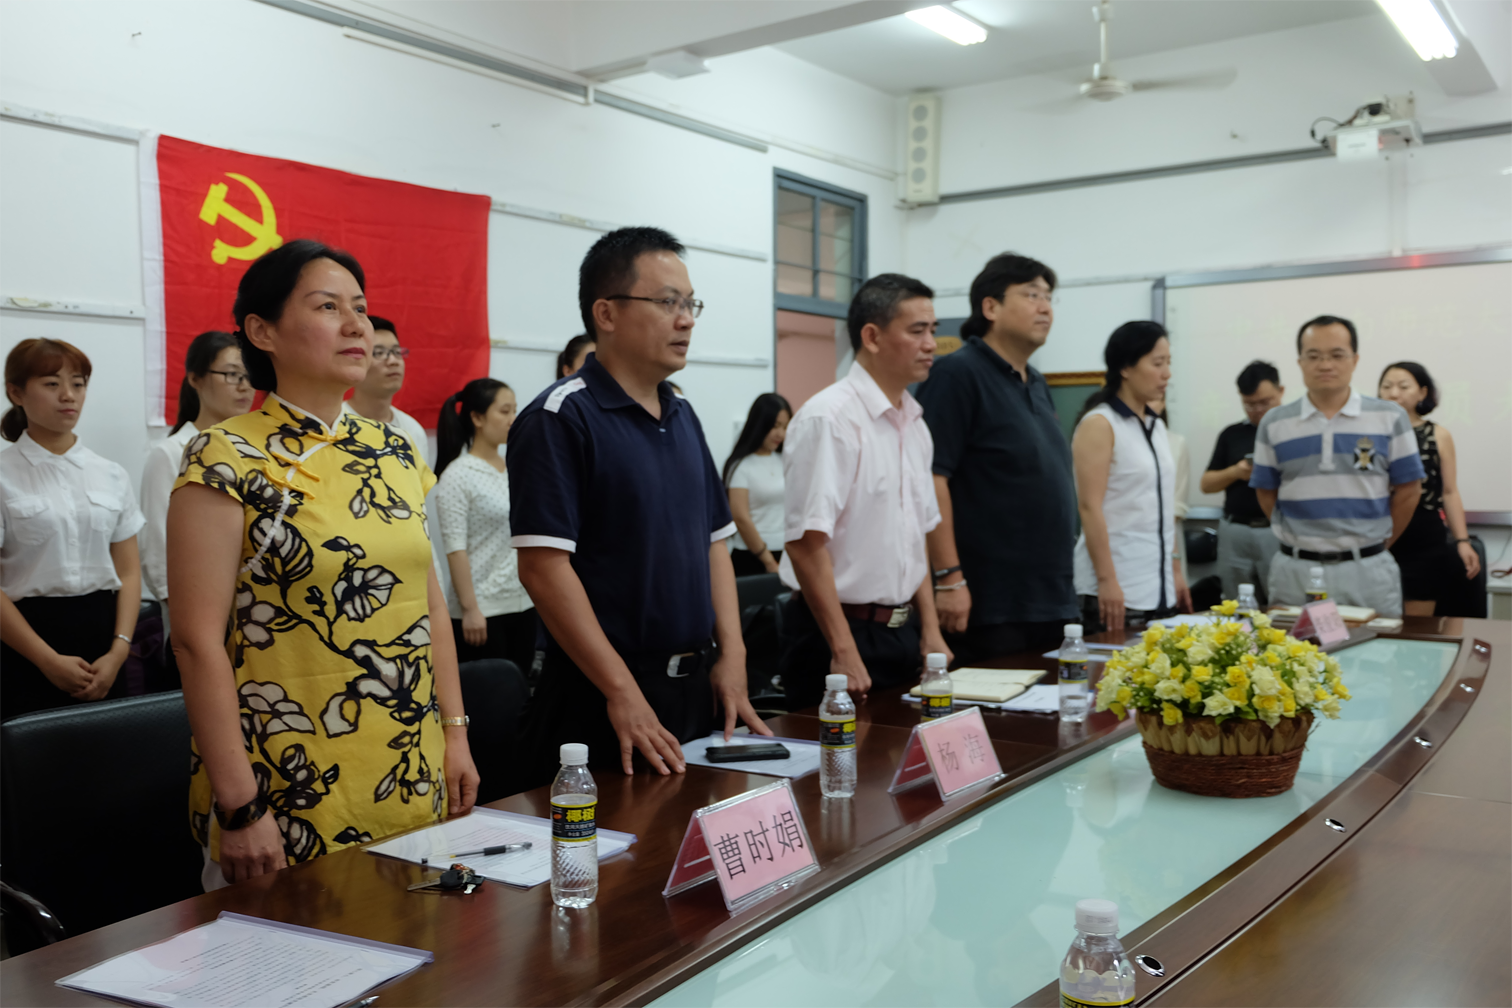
x=511, y=637
x=1134, y=619
x=890, y=654
x=82, y=625
x=567, y=707
x=746, y=563
x=999, y=640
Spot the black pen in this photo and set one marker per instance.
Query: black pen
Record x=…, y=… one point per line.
x=508, y=848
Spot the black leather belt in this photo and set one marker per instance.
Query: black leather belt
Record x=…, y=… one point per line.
x=1251, y=522
x=892, y=616
x=675, y=666
x=1368, y=551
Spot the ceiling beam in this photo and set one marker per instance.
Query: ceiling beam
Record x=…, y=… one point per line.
x=622, y=41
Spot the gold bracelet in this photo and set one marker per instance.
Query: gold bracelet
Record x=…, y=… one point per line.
x=456, y=722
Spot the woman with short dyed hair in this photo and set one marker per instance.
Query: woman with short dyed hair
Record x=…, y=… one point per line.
x=69, y=571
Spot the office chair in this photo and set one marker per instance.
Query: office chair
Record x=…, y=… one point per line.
x=494, y=694
x=95, y=805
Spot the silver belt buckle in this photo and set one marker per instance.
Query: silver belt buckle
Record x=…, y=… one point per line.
x=675, y=661
x=898, y=618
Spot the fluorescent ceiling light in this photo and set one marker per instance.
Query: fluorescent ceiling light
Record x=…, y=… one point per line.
x=960, y=30
x=1422, y=26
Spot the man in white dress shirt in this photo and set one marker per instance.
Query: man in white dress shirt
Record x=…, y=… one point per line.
x=859, y=500
x=374, y=395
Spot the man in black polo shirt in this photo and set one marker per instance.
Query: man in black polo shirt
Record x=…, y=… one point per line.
x=620, y=518
x=1245, y=540
x=1001, y=555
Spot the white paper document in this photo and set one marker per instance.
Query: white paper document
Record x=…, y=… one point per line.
x=246, y=962
x=803, y=758
x=486, y=827
x=1037, y=700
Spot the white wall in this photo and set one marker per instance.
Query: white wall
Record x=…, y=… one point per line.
x=1452, y=195
x=245, y=75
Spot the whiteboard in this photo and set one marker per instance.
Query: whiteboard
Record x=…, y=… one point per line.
x=1454, y=320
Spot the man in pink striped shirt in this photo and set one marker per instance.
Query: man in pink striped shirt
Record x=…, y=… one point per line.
x=859, y=500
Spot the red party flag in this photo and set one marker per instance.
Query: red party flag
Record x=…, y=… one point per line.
x=209, y=212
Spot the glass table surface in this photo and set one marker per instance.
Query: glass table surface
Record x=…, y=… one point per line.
x=982, y=913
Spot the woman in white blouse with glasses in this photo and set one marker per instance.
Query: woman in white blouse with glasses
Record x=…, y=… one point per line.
x=215, y=388
x=492, y=616
x=68, y=550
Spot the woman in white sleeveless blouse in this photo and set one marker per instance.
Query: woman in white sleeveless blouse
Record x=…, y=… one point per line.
x=1127, y=563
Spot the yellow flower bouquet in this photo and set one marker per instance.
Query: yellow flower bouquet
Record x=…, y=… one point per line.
x=1224, y=708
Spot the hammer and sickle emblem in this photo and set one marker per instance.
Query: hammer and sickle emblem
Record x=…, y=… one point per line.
x=265, y=236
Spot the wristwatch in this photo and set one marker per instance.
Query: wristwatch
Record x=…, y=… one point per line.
x=456, y=722
x=242, y=817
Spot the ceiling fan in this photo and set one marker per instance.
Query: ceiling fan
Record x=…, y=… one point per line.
x=1106, y=86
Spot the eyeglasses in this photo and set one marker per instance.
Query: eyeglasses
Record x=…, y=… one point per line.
x=237, y=378
x=1315, y=357
x=1044, y=297
x=383, y=353
x=670, y=305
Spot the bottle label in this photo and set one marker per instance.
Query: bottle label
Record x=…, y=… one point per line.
x=837, y=734
x=1317, y=594
x=937, y=705
x=574, y=823
x=1073, y=673
x=1067, y=1001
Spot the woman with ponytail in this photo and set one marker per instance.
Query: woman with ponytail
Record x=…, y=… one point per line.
x=215, y=388
x=72, y=586
x=492, y=616
x=1127, y=564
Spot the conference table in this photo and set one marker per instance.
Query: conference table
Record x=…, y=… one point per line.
x=1384, y=876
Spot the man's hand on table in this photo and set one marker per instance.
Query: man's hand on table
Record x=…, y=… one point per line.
x=638, y=728
x=728, y=677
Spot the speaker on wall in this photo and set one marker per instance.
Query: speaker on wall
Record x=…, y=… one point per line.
x=921, y=171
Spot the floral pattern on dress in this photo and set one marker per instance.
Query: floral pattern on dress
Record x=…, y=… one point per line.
x=348, y=609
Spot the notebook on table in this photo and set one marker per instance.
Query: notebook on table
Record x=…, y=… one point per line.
x=988, y=685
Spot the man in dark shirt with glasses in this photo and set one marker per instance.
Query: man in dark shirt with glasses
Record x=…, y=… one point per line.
x=620, y=517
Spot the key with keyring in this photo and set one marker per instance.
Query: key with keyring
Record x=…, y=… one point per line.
x=457, y=877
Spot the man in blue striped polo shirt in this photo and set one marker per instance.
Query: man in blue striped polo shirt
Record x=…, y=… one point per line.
x=1338, y=474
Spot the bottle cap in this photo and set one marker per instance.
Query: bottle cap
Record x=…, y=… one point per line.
x=1073, y=629
x=835, y=681
x=1316, y=572
x=935, y=660
x=574, y=754
x=1246, y=589
x=1097, y=916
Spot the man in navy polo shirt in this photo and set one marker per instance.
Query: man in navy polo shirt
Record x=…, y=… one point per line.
x=620, y=518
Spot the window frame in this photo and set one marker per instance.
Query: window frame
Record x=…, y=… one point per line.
x=792, y=182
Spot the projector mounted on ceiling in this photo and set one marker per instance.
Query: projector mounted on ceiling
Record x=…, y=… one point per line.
x=1381, y=126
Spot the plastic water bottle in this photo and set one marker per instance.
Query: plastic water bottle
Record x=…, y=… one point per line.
x=574, y=830
x=1096, y=970
x=1247, y=600
x=1073, y=674
x=1317, y=588
x=837, y=740
x=936, y=689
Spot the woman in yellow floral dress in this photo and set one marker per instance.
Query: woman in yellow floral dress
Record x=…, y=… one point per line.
x=330, y=716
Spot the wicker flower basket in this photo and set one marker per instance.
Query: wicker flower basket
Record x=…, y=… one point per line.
x=1237, y=759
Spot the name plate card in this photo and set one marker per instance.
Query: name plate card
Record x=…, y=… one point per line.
x=1321, y=620
x=953, y=751
x=755, y=844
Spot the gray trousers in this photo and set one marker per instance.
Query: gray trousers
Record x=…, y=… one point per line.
x=1244, y=557
x=1374, y=582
